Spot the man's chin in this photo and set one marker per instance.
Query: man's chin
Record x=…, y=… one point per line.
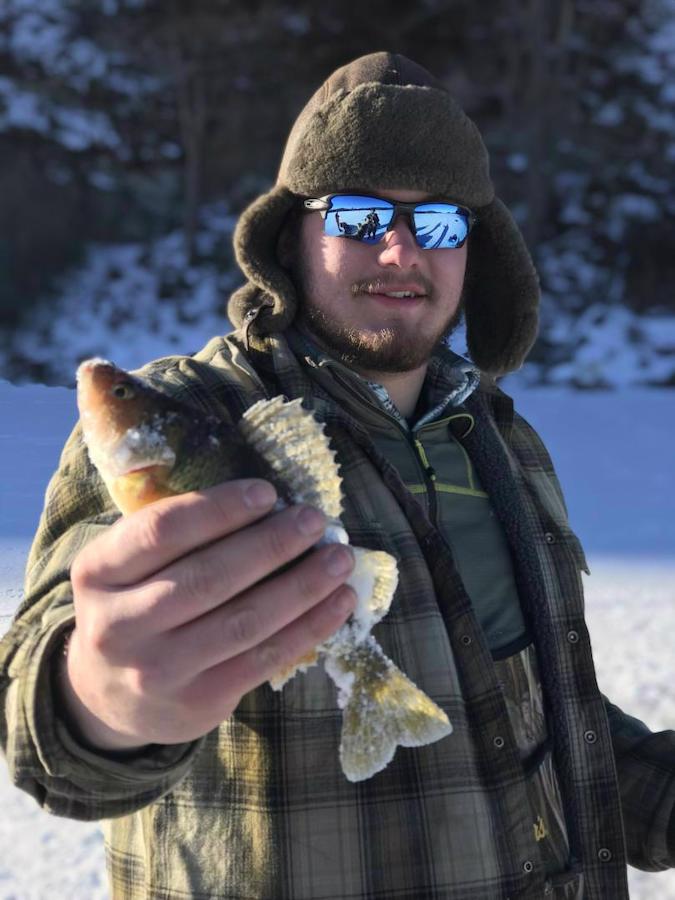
x=383, y=350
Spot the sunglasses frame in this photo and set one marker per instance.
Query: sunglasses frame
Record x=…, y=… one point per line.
x=323, y=204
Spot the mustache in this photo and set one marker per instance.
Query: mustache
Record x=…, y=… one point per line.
x=389, y=283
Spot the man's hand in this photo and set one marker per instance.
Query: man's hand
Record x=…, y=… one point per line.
x=180, y=611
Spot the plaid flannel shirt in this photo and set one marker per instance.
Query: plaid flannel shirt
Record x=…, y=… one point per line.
x=259, y=808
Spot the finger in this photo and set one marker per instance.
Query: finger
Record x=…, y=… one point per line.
x=148, y=540
x=235, y=677
x=207, y=578
x=256, y=615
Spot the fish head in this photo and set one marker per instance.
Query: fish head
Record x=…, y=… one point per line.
x=128, y=428
x=109, y=399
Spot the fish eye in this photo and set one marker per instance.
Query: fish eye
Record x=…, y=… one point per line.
x=123, y=391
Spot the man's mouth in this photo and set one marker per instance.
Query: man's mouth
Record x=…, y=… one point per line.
x=395, y=292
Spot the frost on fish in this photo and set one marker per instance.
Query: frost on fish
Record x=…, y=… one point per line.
x=382, y=708
x=147, y=446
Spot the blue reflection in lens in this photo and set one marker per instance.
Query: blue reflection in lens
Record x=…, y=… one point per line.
x=440, y=226
x=361, y=218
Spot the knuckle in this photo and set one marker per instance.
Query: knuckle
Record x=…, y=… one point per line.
x=279, y=543
x=156, y=526
x=198, y=579
x=333, y=613
x=241, y=628
x=83, y=569
x=271, y=656
x=106, y=636
x=222, y=497
x=98, y=635
x=149, y=676
x=307, y=582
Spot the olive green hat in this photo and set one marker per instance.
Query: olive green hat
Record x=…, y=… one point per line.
x=382, y=121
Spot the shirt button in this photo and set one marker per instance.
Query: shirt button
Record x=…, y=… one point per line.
x=465, y=639
x=590, y=737
x=573, y=637
x=549, y=537
x=604, y=855
x=527, y=866
x=498, y=742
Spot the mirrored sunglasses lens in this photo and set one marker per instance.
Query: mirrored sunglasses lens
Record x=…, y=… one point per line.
x=358, y=217
x=440, y=226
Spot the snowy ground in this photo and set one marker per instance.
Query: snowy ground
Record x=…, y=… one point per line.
x=613, y=451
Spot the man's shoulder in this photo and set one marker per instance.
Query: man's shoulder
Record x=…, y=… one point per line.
x=221, y=373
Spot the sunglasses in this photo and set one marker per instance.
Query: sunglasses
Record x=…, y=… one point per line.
x=435, y=225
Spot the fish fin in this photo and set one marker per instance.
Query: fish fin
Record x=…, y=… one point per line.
x=374, y=578
x=301, y=665
x=380, y=714
x=293, y=444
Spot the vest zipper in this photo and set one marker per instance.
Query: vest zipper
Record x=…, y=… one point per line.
x=428, y=473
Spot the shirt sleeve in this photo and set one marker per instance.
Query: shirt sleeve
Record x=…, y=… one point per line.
x=44, y=757
x=645, y=763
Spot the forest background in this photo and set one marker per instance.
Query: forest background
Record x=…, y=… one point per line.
x=133, y=132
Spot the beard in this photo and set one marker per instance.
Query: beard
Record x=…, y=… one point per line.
x=391, y=349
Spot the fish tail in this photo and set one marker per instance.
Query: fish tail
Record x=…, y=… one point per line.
x=381, y=711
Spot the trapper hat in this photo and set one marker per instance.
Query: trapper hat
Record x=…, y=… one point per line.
x=383, y=121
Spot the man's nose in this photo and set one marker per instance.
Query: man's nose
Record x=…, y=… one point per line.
x=398, y=246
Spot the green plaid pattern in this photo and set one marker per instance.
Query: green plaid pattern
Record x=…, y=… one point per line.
x=259, y=808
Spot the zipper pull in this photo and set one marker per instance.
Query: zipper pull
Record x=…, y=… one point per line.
x=429, y=471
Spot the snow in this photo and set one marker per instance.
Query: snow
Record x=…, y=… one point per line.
x=153, y=300
x=613, y=452
x=74, y=128
x=605, y=346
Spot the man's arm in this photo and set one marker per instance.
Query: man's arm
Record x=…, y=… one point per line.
x=645, y=763
x=175, y=582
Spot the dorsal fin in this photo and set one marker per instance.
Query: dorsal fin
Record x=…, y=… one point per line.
x=292, y=443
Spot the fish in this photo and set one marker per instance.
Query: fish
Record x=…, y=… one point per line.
x=147, y=445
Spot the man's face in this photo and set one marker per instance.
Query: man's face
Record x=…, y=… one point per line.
x=343, y=286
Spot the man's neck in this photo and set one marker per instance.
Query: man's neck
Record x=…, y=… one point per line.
x=403, y=387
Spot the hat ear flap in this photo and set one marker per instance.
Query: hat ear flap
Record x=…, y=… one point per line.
x=255, y=246
x=502, y=295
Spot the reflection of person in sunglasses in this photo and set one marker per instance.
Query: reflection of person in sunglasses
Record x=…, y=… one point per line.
x=372, y=220
x=342, y=226
x=159, y=719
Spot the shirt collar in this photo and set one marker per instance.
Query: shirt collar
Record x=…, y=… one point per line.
x=449, y=381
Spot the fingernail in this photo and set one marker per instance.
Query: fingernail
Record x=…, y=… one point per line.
x=310, y=521
x=259, y=495
x=340, y=560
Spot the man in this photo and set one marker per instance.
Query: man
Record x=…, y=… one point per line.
x=157, y=718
